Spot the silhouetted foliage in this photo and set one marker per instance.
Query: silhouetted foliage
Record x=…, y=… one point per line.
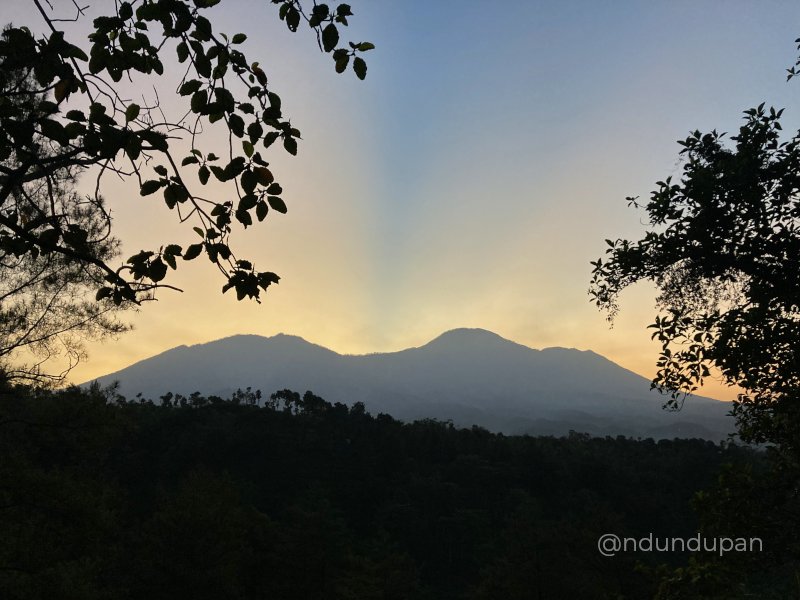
x=724, y=251
x=78, y=114
x=295, y=497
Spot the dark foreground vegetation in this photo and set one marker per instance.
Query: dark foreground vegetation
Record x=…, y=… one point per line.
x=292, y=497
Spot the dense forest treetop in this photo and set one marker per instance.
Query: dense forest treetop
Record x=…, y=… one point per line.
x=292, y=496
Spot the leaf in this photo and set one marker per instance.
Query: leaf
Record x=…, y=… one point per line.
x=266, y=278
x=76, y=115
x=183, y=52
x=156, y=139
x=236, y=125
x=330, y=37
x=264, y=175
x=342, y=62
x=170, y=196
x=62, y=89
x=293, y=19
x=203, y=174
x=360, y=67
x=261, y=210
x=276, y=203
x=156, y=64
x=270, y=138
x=255, y=131
x=225, y=98
x=274, y=101
x=290, y=144
x=244, y=217
x=157, y=270
x=234, y=168
x=199, y=101
x=175, y=193
x=140, y=257
x=247, y=202
x=193, y=251
x=249, y=181
x=248, y=148
x=203, y=28
x=54, y=130
x=190, y=87
x=319, y=13
x=238, y=38
x=219, y=173
x=150, y=187
x=103, y=292
x=364, y=46
x=125, y=11
x=74, y=130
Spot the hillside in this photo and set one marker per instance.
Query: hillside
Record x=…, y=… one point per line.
x=469, y=376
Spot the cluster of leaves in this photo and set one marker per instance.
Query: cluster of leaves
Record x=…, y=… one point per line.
x=794, y=70
x=295, y=497
x=723, y=247
x=85, y=122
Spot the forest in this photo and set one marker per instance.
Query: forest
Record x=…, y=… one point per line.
x=294, y=497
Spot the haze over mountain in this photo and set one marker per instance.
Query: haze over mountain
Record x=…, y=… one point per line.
x=470, y=376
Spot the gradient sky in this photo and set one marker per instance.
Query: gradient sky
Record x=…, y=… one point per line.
x=472, y=177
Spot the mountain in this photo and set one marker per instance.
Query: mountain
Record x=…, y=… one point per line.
x=470, y=376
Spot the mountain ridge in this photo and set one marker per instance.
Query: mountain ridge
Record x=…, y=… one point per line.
x=469, y=376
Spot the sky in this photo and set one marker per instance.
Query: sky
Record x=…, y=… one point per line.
x=471, y=178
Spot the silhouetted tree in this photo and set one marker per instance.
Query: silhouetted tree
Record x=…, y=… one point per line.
x=47, y=305
x=723, y=249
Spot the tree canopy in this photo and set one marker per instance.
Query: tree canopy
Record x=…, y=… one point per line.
x=723, y=249
x=47, y=304
x=297, y=497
